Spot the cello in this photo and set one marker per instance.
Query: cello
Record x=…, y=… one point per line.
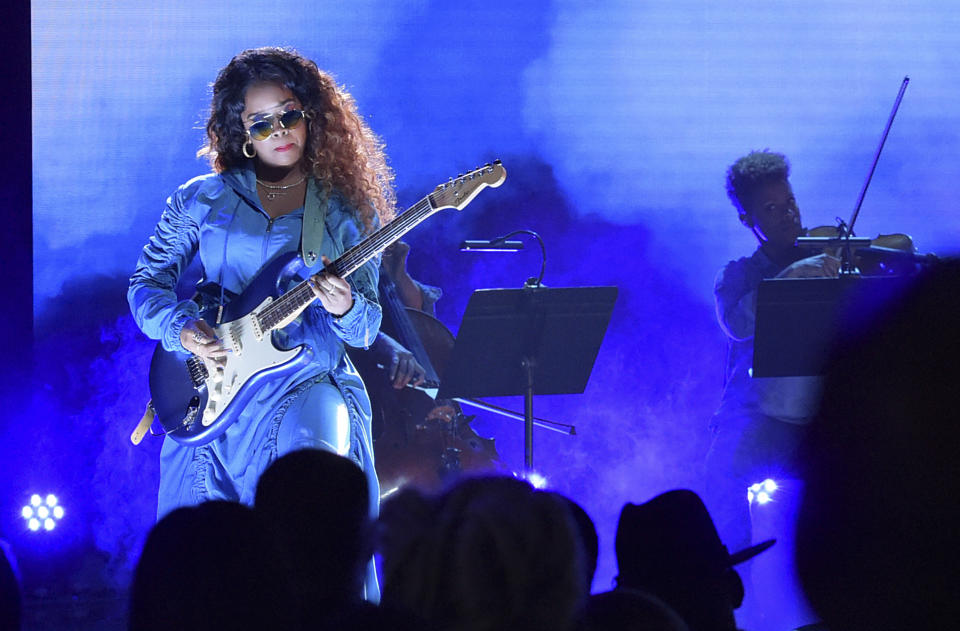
x=418, y=441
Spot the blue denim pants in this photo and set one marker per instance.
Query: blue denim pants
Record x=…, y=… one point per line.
x=330, y=411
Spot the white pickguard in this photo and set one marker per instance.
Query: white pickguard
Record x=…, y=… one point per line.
x=249, y=352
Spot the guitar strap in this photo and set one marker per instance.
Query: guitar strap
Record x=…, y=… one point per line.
x=314, y=216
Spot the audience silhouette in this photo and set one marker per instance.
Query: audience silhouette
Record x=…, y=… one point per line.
x=629, y=610
x=316, y=507
x=587, y=532
x=877, y=534
x=669, y=547
x=491, y=553
x=210, y=566
x=11, y=599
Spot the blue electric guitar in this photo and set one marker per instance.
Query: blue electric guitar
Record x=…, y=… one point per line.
x=195, y=400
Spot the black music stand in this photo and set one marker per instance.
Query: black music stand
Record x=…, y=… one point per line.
x=799, y=319
x=534, y=340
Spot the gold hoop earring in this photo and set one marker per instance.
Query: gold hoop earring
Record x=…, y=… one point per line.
x=252, y=152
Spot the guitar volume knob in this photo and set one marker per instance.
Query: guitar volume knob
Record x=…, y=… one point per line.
x=208, y=416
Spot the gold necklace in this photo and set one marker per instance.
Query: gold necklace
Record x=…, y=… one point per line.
x=275, y=190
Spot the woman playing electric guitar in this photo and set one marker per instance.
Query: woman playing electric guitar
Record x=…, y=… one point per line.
x=294, y=167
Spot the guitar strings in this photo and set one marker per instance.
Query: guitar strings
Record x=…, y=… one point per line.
x=356, y=256
x=349, y=262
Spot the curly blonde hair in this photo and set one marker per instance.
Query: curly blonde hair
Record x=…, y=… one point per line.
x=342, y=152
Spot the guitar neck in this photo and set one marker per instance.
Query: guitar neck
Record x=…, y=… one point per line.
x=288, y=306
x=354, y=258
x=456, y=193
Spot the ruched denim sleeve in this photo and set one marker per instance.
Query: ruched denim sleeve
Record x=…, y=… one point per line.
x=151, y=294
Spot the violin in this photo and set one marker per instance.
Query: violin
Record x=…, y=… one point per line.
x=885, y=254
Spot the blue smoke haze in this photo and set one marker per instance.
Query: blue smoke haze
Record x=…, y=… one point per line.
x=615, y=121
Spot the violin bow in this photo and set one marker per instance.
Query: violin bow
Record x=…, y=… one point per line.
x=848, y=230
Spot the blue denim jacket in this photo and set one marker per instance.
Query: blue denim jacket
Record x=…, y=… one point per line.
x=219, y=217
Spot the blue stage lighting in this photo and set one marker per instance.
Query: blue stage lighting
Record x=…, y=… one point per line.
x=42, y=511
x=537, y=480
x=762, y=492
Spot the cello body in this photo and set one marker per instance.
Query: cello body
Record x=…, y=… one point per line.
x=419, y=441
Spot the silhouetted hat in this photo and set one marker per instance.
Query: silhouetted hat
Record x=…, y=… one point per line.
x=672, y=535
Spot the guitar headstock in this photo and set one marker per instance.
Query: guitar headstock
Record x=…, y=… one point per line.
x=457, y=193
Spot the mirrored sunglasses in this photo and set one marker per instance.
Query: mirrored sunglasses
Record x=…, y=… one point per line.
x=262, y=129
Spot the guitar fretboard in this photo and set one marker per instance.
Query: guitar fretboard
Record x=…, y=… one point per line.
x=295, y=300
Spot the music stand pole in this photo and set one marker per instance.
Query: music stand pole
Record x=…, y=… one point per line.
x=529, y=364
x=521, y=342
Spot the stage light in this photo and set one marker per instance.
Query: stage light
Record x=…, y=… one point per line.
x=389, y=492
x=762, y=492
x=536, y=480
x=42, y=511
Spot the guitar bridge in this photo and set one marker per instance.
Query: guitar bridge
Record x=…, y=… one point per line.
x=198, y=372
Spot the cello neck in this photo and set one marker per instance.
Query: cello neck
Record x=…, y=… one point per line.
x=406, y=332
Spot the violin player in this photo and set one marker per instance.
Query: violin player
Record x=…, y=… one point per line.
x=760, y=421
